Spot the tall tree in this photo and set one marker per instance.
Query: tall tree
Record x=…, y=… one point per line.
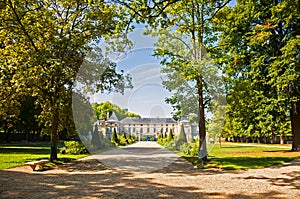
x=185, y=33
x=261, y=44
x=46, y=43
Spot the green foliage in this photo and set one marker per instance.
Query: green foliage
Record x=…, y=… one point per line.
x=130, y=139
x=170, y=135
x=75, y=147
x=159, y=137
x=123, y=140
x=260, y=51
x=114, y=137
x=185, y=33
x=182, y=135
x=105, y=109
x=43, y=45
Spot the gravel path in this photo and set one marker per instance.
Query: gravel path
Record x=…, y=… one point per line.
x=161, y=175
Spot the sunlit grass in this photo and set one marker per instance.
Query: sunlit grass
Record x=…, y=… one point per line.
x=13, y=155
x=233, y=156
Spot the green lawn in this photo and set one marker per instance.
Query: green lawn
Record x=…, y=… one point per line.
x=233, y=156
x=12, y=155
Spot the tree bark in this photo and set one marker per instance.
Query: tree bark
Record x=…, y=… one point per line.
x=295, y=121
x=54, y=129
x=8, y=135
x=281, y=140
x=265, y=140
x=202, y=130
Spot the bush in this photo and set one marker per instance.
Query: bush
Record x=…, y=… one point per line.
x=123, y=140
x=172, y=145
x=159, y=137
x=74, y=147
x=130, y=139
x=185, y=148
x=114, y=137
x=170, y=136
x=182, y=136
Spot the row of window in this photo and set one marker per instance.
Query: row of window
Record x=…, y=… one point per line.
x=149, y=125
x=144, y=130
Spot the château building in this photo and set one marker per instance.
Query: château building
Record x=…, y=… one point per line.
x=147, y=127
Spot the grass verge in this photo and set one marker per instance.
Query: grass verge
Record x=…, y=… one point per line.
x=235, y=156
x=13, y=155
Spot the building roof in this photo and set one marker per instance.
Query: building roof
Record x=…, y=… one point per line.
x=132, y=120
x=113, y=117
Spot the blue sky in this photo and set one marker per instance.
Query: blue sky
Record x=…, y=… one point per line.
x=147, y=98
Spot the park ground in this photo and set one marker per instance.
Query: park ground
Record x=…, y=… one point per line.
x=146, y=170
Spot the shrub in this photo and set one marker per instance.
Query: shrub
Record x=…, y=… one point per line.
x=74, y=147
x=172, y=145
x=185, y=148
x=114, y=137
x=182, y=136
x=170, y=136
x=130, y=139
x=123, y=140
x=159, y=137
x=194, y=146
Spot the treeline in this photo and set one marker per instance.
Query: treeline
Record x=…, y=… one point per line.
x=24, y=124
x=105, y=109
x=259, y=50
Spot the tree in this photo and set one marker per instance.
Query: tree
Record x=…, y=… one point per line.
x=45, y=45
x=184, y=97
x=96, y=137
x=184, y=33
x=170, y=135
x=182, y=135
x=107, y=108
x=260, y=45
x=114, y=137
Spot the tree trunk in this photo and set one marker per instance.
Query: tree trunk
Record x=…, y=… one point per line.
x=7, y=135
x=295, y=121
x=54, y=129
x=273, y=138
x=258, y=140
x=265, y=140
x=202, y=130
x=281, y=139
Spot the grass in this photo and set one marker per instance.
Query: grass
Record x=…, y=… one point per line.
x=12, y=155
x=235, y=156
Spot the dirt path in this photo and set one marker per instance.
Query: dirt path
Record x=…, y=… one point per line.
x=175, y=178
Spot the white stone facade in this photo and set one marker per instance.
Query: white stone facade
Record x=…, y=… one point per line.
x=147, y=127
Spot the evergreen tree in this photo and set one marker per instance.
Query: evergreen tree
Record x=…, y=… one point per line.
x=114, y=137
x=182, y=135
x=170, y=136
x=95, y=137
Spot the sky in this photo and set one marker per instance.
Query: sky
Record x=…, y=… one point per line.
x=147, y=97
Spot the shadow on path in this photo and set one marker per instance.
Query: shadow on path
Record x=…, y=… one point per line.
x=103, y=183
x=89, y=178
